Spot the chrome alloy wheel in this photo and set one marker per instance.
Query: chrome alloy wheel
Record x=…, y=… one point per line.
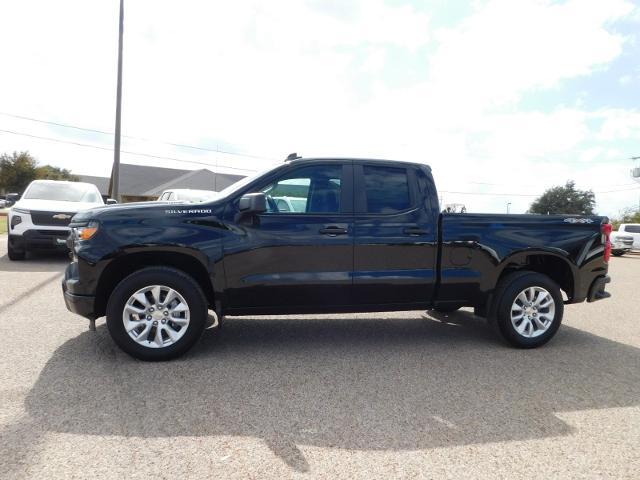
x=533, y=311
x=156, y=316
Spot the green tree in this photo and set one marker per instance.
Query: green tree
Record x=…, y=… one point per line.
x=48, y=172
x=628, y=215
x=17, y=171
x=565, y=199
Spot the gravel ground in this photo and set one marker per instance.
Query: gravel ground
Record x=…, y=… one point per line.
x=391, y=395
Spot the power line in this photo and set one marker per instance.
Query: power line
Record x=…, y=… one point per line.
x=140, y=154
x=491, y=194
x=528, y=194
x=102, y=132
x=508, y=184
x=148, y=155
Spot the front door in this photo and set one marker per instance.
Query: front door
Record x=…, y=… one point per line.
x=299, y=253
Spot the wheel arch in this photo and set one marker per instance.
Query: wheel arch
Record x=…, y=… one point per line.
x=128, y=263
x=552, y=264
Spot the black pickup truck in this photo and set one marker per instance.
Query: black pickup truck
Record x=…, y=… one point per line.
x=326, y=235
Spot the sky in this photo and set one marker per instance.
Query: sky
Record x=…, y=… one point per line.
x=502, y=98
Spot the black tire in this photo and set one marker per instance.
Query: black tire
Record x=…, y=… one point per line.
x=507, y=291
x=170, y=277
x=617, y=253
x=15, y=255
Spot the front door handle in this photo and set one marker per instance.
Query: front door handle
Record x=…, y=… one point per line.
x=333, y=230
x=414, y=231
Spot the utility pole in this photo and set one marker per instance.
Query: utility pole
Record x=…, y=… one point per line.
x=635, y=175
x=508, y=205
x=115, y=172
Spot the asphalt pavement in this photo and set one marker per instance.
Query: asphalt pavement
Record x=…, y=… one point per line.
x=381, y=395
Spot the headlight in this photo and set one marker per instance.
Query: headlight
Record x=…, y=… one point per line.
x=85, y=233
x=15, y=220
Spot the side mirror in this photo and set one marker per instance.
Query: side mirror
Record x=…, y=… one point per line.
x=253, y=203
x=12, y=198
x=111, y=201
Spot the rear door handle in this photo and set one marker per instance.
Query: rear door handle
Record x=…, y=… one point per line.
x=414, y=231
x=333, y=230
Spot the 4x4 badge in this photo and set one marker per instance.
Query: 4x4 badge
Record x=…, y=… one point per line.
x=578, y=220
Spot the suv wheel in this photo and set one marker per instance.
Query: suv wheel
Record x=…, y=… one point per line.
x=13, y=254
x=156, y=313
x=529, y=309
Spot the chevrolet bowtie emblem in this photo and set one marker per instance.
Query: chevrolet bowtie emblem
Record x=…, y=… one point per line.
x=61, y=216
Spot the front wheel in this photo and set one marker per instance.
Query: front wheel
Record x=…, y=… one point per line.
x=529, y=309
x=14, y=254
x=156, y=313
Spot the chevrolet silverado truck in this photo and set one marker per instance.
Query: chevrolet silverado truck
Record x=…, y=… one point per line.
x=369, y=237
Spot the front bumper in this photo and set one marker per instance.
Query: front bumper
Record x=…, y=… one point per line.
x=597, y=289
x=40, y=239
x=80, y=304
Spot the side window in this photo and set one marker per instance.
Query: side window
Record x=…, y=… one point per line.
x=314, y=189
x=386, y=189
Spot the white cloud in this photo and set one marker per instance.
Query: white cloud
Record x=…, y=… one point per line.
x=511, y=47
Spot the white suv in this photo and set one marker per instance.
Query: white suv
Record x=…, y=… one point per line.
x=40, y=219
x=188, y=195
x=629, y=230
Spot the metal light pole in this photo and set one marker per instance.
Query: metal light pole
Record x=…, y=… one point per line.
x=635, y=175
x=115, y=172
x=508, y=205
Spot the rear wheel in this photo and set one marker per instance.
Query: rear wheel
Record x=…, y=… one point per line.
x=618, y=253
x=157, y=313
x=529, y=309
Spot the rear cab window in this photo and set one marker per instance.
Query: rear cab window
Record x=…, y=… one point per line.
x=385, y=189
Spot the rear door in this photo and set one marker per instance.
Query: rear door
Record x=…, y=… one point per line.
x=299, y=253
x=395, y=235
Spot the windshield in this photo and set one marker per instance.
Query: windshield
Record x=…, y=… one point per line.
x=234, y=187
x=64, y=192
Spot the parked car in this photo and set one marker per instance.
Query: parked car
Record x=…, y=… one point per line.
x=40, y=218
x=187, y=195
x=371, y=238
x=290, y=204
x=631, y=230
x=3, y=201
x=621, y=243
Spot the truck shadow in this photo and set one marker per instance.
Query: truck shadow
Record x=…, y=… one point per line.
x=370, y=384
